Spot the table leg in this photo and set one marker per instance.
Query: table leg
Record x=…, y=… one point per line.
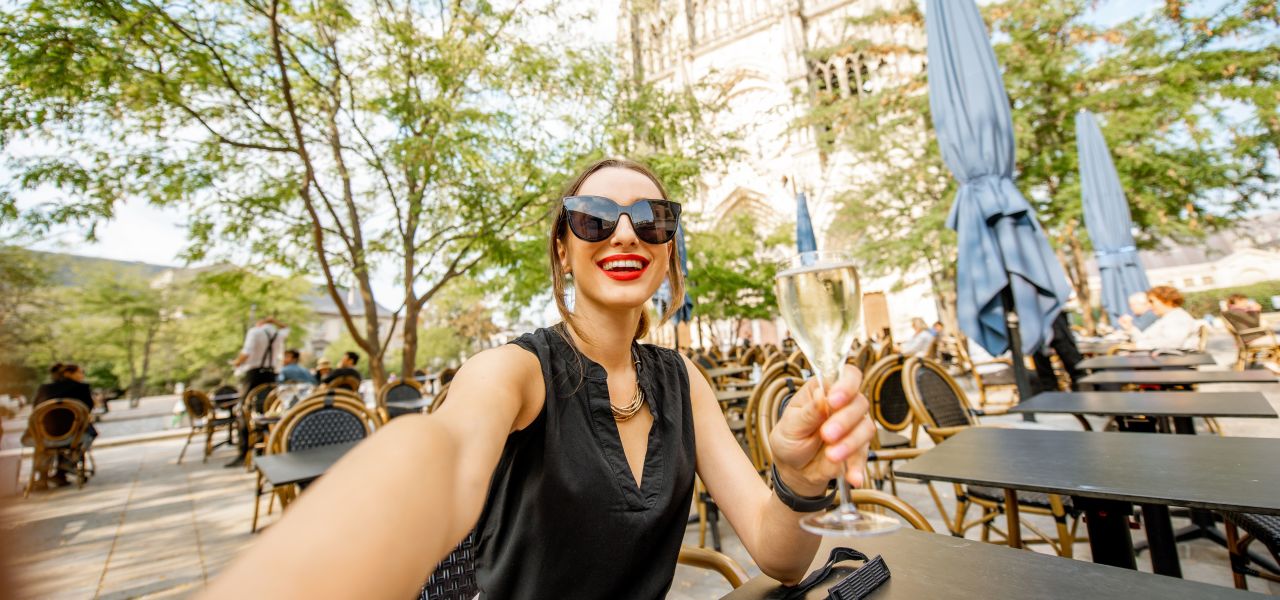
x=1164, y=552
x=1011, y=516
x=1109, y=538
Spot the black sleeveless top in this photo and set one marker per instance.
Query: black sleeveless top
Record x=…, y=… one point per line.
x=564, y=518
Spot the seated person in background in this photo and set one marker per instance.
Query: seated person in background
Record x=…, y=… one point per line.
x=1243, y=313
x=292, y=372
x=346, y=368
x=323, y=368
x=1143, y=316
x=921, y=338
x=1175, y=329
x=67, y=382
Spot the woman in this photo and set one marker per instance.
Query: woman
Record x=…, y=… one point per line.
x=1173, y=329
x=571, y=451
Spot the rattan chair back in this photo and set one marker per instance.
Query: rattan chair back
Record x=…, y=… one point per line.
x=346, y=382
x=772, y=401
x=57, y=421
x=400, y=391
x=882, y=385
x=936, y=399
x=255, y=402
x=226, y=390
x=893, y=503
x=325, y=418
x=706, y=558
x=751, y=414
x=798, y=359
x=197, y=403
x=862, y=358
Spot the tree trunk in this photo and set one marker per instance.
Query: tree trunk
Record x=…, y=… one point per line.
x=141, y=383
x=409, y=351
x=1073, y=263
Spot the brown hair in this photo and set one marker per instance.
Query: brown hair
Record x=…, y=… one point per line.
x=1234, y=298
x=1166, y=294
x=560, y=229
x=62, y=371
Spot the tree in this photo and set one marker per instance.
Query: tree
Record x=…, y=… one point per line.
x=730, y=272
x=329, y=137
x=1189, y=105
x=882, y=121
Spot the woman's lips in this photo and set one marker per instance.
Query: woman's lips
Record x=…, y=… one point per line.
x=629, y=275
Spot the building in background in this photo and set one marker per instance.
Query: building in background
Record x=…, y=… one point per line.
x=765, y=48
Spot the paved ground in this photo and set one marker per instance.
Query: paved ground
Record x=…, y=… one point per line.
x=148, y=527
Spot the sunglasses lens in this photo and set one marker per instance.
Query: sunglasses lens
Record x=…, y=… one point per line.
x=591, y=219
x=657, y=222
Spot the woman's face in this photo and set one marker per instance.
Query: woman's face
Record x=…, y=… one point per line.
x=76, y=375
x=591, y=263
x=1158, y=306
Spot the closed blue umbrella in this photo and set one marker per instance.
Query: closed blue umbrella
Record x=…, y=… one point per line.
x=1004, y=258
x=805, y=240
x=1106, y=214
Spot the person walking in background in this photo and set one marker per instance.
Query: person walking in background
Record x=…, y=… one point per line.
x=1143, y=316
x=292, y=372
x=921, y=338
x=346, y=368
x=66, y=382
x=1174, y=329
x=262, y=352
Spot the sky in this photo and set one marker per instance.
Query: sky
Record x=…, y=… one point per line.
x=141, y=232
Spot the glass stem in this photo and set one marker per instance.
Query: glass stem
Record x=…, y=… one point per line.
x=842, y=483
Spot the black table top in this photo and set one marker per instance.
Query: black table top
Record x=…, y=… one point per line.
x=1196, y=471
x=300, y=466
x=1151, y=404
x=1146, y=361
x=416, y=404
x=1185, y=377
x=932, y=565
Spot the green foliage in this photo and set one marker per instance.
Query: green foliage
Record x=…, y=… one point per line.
x=730, y=272
x=23, y=278
x=1206, y=302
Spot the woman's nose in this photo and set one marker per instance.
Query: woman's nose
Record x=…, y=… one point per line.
x=625, y=234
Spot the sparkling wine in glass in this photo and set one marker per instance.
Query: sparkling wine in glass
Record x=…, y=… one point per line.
x=821, y=301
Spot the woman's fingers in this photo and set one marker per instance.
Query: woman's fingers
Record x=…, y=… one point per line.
x=855, y=441
x=842, y=421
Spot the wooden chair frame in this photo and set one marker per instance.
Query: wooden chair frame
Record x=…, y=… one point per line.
x=1063, y=544
x=873, y=383
x=1238, y=552
x=719, y=562
x=208, y=423
x=42, y=452
x=381, y=397
x=248, y=411
x=1248, y=355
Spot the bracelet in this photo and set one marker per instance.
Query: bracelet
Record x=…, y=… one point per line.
x=800, y=503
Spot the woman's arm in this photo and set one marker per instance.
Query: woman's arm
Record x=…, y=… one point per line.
x=379, y=521
x=768, y=528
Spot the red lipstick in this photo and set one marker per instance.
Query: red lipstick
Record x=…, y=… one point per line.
x=623, y=267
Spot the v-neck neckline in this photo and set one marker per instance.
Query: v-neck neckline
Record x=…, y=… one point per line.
x=639, y=495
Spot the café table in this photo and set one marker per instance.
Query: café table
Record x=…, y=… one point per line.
x=932, y=565
x=300, y=466
x=1146, y=361
x=225, y=400
x=1164, y=405
x=1174, y=378
x=1107, y=473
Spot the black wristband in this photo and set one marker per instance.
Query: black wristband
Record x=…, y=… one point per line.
x=800, y=503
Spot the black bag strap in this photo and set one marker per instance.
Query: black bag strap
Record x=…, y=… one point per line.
x=856, y=586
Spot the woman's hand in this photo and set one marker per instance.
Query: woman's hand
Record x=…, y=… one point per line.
x=813, y=445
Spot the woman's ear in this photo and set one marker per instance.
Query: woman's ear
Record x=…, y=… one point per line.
x=562, y=255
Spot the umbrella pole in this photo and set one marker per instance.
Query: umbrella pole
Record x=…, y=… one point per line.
x=1020, y=374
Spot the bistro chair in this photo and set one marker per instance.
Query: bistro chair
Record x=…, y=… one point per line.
x=399, y=391
x=719, y=562
x=252, y=408
x=57, y=433
x=327, y=417
x=1263, y=528
x=990, y=381
x=772, y=400
x=350, y=383
x=862, y=358
x=882, y=385
x=1261, y=347
x=204, y=420
x=942, y=409
x=750, y=416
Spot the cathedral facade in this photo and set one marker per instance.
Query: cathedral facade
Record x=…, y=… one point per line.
x=778, y=55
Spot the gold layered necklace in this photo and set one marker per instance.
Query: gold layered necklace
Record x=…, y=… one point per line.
x=637, y=400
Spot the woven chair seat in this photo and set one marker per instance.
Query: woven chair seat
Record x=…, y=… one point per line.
x=1036, y=499
x=889, y=439
x=325, y=427
x=455, y=576
x=1264, y=528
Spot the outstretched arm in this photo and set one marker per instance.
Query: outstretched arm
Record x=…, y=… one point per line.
x=380, y=520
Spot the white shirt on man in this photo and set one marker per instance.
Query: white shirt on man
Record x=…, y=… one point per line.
x=1176, y=330
x=262, y=349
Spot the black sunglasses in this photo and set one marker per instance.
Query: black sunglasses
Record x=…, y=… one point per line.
x=594, y=218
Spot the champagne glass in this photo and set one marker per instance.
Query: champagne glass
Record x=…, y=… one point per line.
x=821, y=301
